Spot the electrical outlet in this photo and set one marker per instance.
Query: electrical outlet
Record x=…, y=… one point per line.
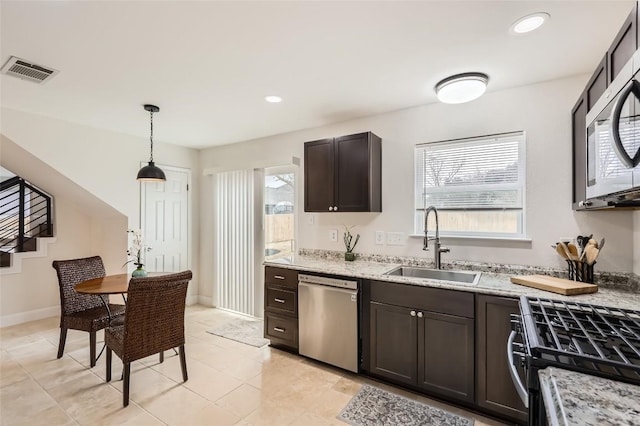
x=333, y=235
x=395, y=238
x=379, y=237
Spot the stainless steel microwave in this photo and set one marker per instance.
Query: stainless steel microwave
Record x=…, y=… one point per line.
x=613, y=138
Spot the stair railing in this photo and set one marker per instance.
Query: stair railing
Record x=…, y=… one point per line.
x=25, y=214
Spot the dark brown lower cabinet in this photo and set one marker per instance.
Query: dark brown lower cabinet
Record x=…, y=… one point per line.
x=426, y=350
x=445, y=355
x=394, y=343
x=495, y=390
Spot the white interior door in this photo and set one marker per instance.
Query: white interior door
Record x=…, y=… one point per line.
x=165, y=221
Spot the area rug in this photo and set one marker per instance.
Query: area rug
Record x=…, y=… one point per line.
x=373, y=406
x=242, y=330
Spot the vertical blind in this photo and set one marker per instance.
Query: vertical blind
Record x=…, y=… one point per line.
x=235, y=241
x=476, y=173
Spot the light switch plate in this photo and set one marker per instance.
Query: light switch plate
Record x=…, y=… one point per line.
x=333, y=235
x=395, y=238
x=311, y=219
x=379, y=237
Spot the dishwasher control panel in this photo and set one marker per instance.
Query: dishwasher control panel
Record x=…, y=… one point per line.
x=332, y=282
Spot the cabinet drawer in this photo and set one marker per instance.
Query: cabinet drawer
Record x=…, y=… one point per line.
x=281, y=277
x=281, y=300
x=281, y=330
x=450, y=302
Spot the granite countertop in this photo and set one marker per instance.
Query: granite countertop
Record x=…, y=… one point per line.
x=573, y=398
x=497, y=284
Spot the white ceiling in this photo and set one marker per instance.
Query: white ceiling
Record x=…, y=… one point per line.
x=209, y=64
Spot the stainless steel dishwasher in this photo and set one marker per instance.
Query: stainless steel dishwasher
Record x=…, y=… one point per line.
x=328, y=320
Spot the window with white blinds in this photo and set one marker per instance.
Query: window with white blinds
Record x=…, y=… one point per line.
x=477, y=185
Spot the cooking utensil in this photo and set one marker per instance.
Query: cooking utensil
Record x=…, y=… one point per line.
x=591, y=254
x=573, y=250
x=562, y=250
x=592, y=243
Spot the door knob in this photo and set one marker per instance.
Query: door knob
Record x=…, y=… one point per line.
x=335, y=208
x=420, y=315
x=330, y=208
x=412, y=313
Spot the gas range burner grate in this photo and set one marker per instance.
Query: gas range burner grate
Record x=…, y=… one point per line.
x=585, y=337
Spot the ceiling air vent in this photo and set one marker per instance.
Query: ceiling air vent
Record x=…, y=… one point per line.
x=26, y=70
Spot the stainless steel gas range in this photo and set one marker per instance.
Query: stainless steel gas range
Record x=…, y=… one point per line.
x=580, y=337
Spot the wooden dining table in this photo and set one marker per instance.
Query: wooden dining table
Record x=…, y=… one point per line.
x=110, y=284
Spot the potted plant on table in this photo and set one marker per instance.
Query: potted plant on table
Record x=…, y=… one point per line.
x=136, y=252
x=348, y=239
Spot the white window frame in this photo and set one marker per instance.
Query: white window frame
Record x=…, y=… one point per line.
x=520, y=186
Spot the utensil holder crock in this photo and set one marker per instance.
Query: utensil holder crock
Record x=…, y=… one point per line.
x=580, y=271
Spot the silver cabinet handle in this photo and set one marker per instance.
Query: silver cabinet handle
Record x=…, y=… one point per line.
x=278, y=329
x=335, y=208
x=515, y=377
x=330, y=208
x=412, y=313
x=279, y=300
x=278, y=277
x=420, y=315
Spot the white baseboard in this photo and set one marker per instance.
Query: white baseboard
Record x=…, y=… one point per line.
x=205, y=300
x=192, y=300
x=19, y=318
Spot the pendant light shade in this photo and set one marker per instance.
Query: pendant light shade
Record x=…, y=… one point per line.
x=151, y=172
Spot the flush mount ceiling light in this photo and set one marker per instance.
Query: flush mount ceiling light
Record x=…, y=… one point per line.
x=273, y=99
x=462, y=88
x=150, y=172
x=529, y=23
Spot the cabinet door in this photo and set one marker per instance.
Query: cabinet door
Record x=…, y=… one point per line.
x=445, y=355
x=579, y=140
x=352, y=172
x=597, y=84
x=623, y=47
x=495, y=389
x=393, y=348
x=318, y=176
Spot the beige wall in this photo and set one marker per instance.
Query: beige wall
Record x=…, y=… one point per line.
x=34, y=291
x=542, y=111
x=103, y=165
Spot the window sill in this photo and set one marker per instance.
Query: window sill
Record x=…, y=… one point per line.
x=476, y=238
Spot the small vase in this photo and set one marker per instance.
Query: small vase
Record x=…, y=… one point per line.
x=350, y=256
x=139, y=272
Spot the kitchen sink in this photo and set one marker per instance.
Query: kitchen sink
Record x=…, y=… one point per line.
x=435, y=274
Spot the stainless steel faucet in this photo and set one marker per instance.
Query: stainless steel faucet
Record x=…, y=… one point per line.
x=438, y=249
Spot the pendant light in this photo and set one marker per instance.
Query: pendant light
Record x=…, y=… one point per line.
x=150, y=172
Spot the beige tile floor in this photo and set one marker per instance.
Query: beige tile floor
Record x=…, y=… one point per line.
x=229, y=383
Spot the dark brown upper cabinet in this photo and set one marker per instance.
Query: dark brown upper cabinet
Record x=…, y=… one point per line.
x=621, y=50
x=623, y=46
x=579, y=136
x=597, y=84
x=343, y=174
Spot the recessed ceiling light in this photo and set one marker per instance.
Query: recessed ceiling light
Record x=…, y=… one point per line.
x=462, y=88
x=529, y=23
x=273, y=99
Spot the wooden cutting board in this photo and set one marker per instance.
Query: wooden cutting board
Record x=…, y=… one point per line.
x=556, y=285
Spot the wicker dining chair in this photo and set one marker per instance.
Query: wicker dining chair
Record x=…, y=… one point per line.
x=153, y=323
x=84, y=312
